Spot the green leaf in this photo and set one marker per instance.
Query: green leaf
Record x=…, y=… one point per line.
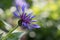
x=14, y=36
x=1, y=35
x=2, y=26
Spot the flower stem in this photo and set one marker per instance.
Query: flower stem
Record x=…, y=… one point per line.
x=8, y=34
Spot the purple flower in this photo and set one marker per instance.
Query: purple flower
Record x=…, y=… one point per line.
x=26, y=19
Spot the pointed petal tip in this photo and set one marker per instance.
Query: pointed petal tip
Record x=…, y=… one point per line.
x=32, y=16
x=36, y=26
x=17, y=8
x=16, y=15
x=23, y=8
x=34, y=20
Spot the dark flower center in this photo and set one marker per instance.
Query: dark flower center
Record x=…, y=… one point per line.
x=20, y=22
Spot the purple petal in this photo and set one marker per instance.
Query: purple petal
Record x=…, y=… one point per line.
x=34, y=20
x=21, y=3
x=27, y=18
x=23, y=16
x=35, y=26
x=32, y=16
x=24, y=24
x=16, y=15
x=23, y=8
x=17, y=7
x=29, y=14
x=29, y=27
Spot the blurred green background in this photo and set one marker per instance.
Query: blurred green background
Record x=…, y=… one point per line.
x=47, y=14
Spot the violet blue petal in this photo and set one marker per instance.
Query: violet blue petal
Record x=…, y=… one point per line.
x=35, y=26
x=17, y=7
x=16, y=15
x=24, y=15
x=23, y=8
x=32, y=17
x=24, y=24
x=34, y=20
x=29, y=14
x=29, y=27
x=21, y=3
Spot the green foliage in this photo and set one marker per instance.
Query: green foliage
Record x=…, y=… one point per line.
x=49, y=29
x=5, y=4
x=49, y=33
x=14, y=36
x=1, y=35
x=2, y=26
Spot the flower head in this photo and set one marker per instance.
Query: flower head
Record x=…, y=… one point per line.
x=25, y=19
